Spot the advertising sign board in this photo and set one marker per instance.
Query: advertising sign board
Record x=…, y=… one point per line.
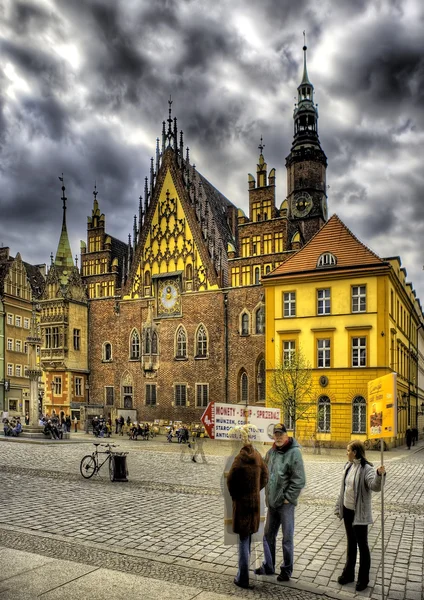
x=219, y=418
x=382, y=407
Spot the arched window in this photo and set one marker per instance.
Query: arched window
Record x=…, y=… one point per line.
x=267, y=269
x=244, y=324
x=147, y=280
x=201, y=342
x=181, y=343
x=260, y=378
x=135, y=345
x=257, y=275
x=244, y=388
x=154, y=342
x=189, y=272
x=324, y=414
x=327, y=260
x=260, y=320
x=147, y=342
x=107, y=351
x=359, y=415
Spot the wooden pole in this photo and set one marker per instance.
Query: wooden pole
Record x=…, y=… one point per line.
x=382, y=520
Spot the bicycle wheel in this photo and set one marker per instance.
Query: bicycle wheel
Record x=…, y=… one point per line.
x=88, y=466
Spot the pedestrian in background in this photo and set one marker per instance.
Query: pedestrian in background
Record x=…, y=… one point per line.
x=76, y=424
x=408, y=436
x=247, y=476
x=286, y=481
x=414, y=435
x=354, y=507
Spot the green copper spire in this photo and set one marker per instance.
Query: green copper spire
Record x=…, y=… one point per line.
x=305, y=78
x=64, y=255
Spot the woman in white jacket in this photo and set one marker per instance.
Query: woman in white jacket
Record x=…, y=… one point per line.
x=354, y=507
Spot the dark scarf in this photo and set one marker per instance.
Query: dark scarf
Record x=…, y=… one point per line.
x=285, y=446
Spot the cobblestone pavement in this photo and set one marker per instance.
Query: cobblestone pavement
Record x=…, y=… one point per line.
x=166, y=522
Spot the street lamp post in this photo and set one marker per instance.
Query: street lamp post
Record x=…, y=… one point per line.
x=87, y=390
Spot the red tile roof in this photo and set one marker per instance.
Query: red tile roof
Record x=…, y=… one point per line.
x=333, y=237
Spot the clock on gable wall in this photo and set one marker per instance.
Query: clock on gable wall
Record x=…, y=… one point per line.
x=169, y=297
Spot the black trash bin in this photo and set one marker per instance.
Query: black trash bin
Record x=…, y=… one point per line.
x=118, y=467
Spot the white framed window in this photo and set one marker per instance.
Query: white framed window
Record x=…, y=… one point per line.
x=10, y=369
x=327, y=260
x=151, y=394
x=77, y=339
x=18, y=321
x=359, y=415
x=180, y=394
x=26, y=323
x=135, y=345
x=181, y=343
x=78, y=386
x=10, y=344
x=324, y=414
x=323, y=302
x=359, y=352
x=289, y=303
x=18, y=370
x=18, y=346
x=9, y=318
x=201, y=342
x=25, y=370
x=26, y=348
x=359, y=298
x=289, y=350
x=324, y=354
x=202, y=395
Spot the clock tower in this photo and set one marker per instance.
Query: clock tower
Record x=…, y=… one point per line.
x=306, y=164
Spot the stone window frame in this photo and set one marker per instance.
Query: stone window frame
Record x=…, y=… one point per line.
x=104, y=352
x=204, y=353
x=177, y=354
x=243, y=319
x=259, y=307
x=134, y=345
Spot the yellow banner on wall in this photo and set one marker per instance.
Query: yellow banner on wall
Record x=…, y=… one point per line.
x=382, y=407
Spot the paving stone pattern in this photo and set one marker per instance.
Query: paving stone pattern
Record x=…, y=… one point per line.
x=172, y=509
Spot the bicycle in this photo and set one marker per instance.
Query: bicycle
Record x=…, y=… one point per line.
x=91, y=465
x=375, y=444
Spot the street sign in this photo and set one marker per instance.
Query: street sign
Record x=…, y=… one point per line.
x=220, y=418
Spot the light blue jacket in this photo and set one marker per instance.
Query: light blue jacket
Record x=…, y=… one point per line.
x=366, y=481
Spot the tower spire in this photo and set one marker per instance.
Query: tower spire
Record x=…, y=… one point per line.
x=305, y=78
x=64, y=257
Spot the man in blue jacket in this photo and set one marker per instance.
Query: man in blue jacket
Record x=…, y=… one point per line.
x=286, y=480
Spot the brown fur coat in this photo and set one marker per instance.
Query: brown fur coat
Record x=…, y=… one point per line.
x=247, y=476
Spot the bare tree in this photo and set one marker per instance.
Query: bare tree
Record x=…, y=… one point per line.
x=291, y=388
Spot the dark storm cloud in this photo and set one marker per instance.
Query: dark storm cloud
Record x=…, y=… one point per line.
x=98, y=75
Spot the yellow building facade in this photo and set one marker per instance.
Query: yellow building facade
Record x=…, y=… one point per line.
x=353, y=317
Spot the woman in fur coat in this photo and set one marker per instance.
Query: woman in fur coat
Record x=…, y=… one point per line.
x=247, y=476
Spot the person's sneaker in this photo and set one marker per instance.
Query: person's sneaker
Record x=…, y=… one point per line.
x=247, y=586
x=283, y=577
x=343, y=580
x=263, y=571
x=361, y=585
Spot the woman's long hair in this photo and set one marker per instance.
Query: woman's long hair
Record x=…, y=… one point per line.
x=358, y=447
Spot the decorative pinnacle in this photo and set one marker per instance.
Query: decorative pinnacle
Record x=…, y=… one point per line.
x=305, y=78
x=63, y=193
x=95, y=192
x=261, y=145
x=170, y=117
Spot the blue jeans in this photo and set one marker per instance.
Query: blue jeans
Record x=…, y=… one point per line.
x=243, y=560
x=276, y=517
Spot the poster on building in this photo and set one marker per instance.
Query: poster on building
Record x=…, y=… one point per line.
x=382, y=407
x=220, y=418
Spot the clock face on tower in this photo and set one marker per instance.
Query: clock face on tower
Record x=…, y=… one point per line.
x=169, y=297
x=301, y=204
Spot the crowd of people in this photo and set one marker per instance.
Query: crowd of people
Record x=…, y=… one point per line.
x=12, y=427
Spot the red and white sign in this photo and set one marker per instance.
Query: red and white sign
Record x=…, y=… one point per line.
x=219, y=418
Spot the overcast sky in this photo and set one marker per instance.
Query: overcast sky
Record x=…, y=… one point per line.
x=84, y=88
